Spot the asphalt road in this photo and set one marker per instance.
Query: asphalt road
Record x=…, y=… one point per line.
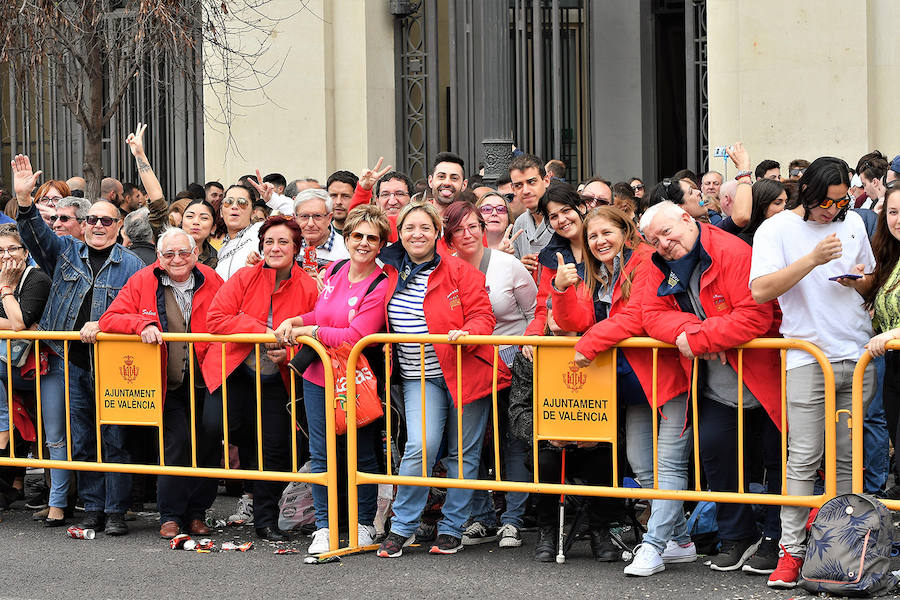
x=41, y=563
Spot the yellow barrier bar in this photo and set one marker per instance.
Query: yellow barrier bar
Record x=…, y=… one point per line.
x=496, y=417
x=193, y=401
x=654, y=423
x=615, y=444
x=97, y=401
x=695, y=367
x=259, y=437
x=425, y=470
x=66, y=389
x=830, y=432
x=225, y=413
x=159, y=430
x=740, y=420
x=459, y=415
x=293, y=412
x=39, y=426
x=9, y=400
x=534, y=411
x=856, y=405
x=783, y=353
x=387, y=407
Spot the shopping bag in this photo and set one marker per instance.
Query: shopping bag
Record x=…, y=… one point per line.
x=368, y=404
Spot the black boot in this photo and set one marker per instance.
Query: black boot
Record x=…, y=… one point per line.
x=602, y=547
x=545, y=551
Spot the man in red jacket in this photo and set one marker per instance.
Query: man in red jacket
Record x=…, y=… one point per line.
x=698, y=299
x=172, y=295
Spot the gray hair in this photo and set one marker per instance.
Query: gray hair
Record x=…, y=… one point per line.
x=313, y=194
x=172, y=232
x=81, y=206
x=666, y=207
x=137, y=226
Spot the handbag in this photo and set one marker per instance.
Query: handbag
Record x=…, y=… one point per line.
x=368, y=404
x=18, y=349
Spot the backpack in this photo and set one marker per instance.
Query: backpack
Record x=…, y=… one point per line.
x=704, y=528
x=849, y=548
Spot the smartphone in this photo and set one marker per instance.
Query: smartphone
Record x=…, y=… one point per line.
x=845, y=276
x=721, y=152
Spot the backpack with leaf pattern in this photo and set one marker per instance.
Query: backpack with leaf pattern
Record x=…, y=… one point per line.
x=849, y=548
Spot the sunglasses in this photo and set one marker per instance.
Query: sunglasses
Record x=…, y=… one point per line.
x=64, y=219
x=637, y=187
x=105, y=221
x=509, y=197
x=241, y=202
x=594, y=200
x=358, y=237
x=841, y=203
x=487, y=210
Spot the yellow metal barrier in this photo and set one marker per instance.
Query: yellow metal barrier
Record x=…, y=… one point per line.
x=356, y=477
x=327, y=479
x=857, y=419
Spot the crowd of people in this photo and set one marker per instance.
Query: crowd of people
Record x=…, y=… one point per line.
x=697, y=261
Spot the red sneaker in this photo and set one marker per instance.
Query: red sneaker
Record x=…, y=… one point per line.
x=787, y=572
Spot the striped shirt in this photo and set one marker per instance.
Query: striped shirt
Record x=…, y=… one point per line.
x=406, y=315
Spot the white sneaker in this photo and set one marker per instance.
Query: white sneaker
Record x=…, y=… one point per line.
x=320, y=542
x=509, y=536
x=365, y=534
x=676, y=553
x=647, y=561
x=244, y=513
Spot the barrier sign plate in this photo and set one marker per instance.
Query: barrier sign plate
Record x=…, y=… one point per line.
x=129, y=382
x=573, y=403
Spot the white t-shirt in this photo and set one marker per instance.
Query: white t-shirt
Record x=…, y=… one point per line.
x=817, y=310
x=234, y=252
x=512, y=291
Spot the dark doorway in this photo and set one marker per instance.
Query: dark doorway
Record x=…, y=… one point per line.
x=671, y=115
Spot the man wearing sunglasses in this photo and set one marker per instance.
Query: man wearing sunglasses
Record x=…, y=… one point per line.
x=70, y=215
x=800, y=257
x=87, y=276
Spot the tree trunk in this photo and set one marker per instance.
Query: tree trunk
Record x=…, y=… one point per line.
x=93, y=129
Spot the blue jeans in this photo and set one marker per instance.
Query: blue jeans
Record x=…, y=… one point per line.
x=667, y=520
x=100, y=492
x=366, y=438
x=53, y=415
x=440, y=420
x=514, y=453
x=17, y=383
x=876, y=439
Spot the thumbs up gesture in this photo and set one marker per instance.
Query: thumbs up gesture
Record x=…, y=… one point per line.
x=566, y=274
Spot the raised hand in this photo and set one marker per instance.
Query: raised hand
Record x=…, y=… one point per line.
x=370, y=176
x=739, y=156
x=135, y=141
x=506, y=243
x=531, y=262
x=24, y=178
x=566, y=274
x=264, y=189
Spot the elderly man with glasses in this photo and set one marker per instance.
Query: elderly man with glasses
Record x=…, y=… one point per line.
x=172, y=295
x=87, y=275
x=322, y=243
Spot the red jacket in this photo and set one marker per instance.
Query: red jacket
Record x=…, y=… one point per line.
x=141, y=303
x=732, y=316
x=242, y=306
x=456, y=298
x=624, y=321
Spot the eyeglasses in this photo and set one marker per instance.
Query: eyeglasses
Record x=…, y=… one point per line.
x=310, y=217
x=358, y=237
x=637, y=187
x=170, y=254
x=241, y=202
x=105, y=221
x=841, y=202
x=474, y=230
x=795, y=172
x=48, y=201
x=10, y=250
x=64, y=219
x=400, y=195
x=488, y=209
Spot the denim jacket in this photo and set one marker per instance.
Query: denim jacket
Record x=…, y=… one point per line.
x=65, y=259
